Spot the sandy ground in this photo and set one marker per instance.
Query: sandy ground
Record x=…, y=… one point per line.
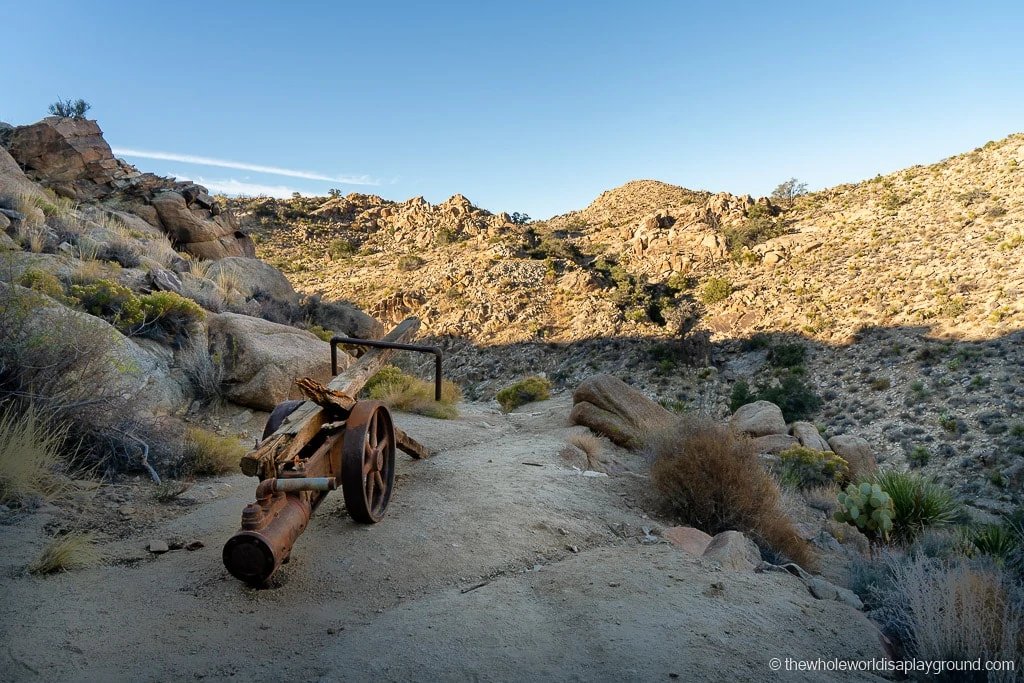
x=484, y=569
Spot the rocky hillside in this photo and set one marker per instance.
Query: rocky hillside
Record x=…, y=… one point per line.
x=905, y=292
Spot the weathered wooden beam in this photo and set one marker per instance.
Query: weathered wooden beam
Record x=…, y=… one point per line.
x=325, y=397
x=299, y=427
x=409, y=445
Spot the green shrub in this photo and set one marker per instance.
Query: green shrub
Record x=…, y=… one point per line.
x=919, y=503
x=711, y=479
x=70, y=108
x=169, y=318
x=880, y=383
x=758, y=341
x=524, y=391
x=714, y=290
x=340, y=249
x=42, y=282
x=805, y=468
x=760, y=226
x=740, y=395
x=919, y=456
x=111, y=301
x=794, y=397
x=1003, y=542
x=787, y=355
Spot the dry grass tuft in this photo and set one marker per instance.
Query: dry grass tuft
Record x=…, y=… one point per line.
x=159, y=249
x=207, y=453
x=591, y=444
x=72, y=551
x=198, y=267
x=713, y=480
x=29, y=455
x=414, y=395
x=956, y=611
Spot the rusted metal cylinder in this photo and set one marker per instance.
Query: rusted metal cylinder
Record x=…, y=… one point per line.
x=254, y=555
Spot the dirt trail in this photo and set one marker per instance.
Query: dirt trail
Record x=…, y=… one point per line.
x=570, y=590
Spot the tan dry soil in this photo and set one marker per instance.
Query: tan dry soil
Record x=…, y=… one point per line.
x=570, y=591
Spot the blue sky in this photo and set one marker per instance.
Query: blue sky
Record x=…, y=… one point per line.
x=534, y=107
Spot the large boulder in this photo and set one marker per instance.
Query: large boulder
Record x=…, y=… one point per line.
x=856, y=452
x=107, y=366
x=68, y=155
x=13, y=181
x=809, y=436
x=733, y=551
x=199, y=229
x=262, y=360
x=609, y=406
x=759, y=418
x=254, y=276
x=342, y=318
x=775, y=443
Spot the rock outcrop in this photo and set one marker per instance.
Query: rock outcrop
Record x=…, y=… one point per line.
x=70, y=156
x=611, y=407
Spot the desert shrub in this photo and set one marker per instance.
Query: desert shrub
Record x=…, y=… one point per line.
x=787, y=355
x=954, y=611
x=919, y=502
x=919, y=456
x=60, y=361
x=276, y=309
x=340, y=249
x=203, y=372
x=712, y=479
x=1003, y=542
x=42, y=282
x=206, y=453
x=714, y=290
x=69, y=108
x=409, y=262
x=71, y=551
x=755, y=342
x=169, y=318
x=741, y=395
x=793, y=396
x=121, y=251
x=412, y=394
x=524, y=391
x=759, y=227
x=30, y=449
x=111, y=301
x=804, y=468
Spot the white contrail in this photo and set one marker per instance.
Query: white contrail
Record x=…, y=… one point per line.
x=237, y=187
x=256, y=168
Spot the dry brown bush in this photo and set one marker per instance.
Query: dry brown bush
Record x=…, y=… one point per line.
x=712, y=479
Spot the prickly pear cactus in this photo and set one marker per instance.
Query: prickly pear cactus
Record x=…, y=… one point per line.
x=867, y=507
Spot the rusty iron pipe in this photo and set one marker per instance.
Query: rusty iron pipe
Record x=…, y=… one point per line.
x=294, y=485
x=438, y=355
x=269, y=530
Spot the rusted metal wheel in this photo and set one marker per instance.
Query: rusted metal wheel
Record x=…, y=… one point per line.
x=368, y=461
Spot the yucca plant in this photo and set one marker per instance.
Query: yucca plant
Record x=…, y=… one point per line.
x=918, y=502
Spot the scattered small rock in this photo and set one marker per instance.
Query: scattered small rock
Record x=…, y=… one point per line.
x=157, y=547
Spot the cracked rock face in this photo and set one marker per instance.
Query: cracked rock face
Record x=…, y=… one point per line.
x=70, y=157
